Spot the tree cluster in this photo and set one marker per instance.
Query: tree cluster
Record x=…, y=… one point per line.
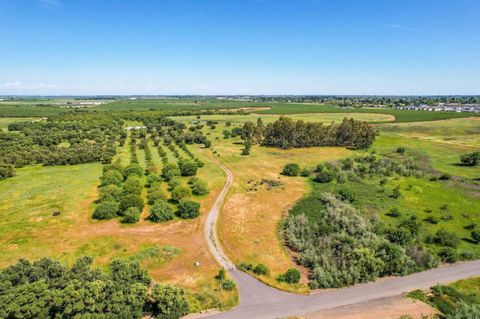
x=47, y=289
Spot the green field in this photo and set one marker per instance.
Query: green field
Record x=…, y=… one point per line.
x=5, y=121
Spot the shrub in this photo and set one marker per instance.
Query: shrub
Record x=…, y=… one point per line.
x=180, y=192
x=394, y=212
x=396, y=192
x=444, y=237
x=471, y=159
x=198, y=187
x=245, y=266
x=188, y=168
x=475, y=236
x=170, y=170
x=398, y=235
x=155, y=193
x=306, y=172
x=133, y=185
x=160, y=212
x=130, y=200
x=228, y=285
x=188, y=209
x=133, y=169
x=221, y=275
x=109, y=192
x=291, y=276
x=400, y=150
x=106, y=210
x=324, y=176
x=169, y=302
x=448, y=255
x=431, y=220
x=261, y=269
x=291, y=169
x=152, y=179
x=346, y=194
x=131, y=216
x=112, y=176
x=445, y=177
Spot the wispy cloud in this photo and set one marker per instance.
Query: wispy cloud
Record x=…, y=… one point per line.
x=399, y=27
x=18, y=85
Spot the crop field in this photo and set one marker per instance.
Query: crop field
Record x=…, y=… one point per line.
x=268, y=118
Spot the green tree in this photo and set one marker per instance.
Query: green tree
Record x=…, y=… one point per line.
x=471, y=159
x=160, y=212
x=169, y=302
x=180, y=192
x=291, y=169
x=106, y=210
x=130, y=200
x=131, y=216
x=188, y=209
x=291, y=276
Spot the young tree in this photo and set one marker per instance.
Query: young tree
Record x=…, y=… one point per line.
x=130, y=200
x=291, y=276
x=180, y=192
x=106, y=210
x=131, y=216
x=291, y=169
x=160, y=212
x=198, y=187
x=188, y=209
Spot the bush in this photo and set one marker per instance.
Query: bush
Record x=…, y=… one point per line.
x=109, y=192
x=228, y=285
x=431, y=220
x=169, y=302
x=324, y=176
x=245, y=266
x=394, y=212
x=133, y=185
x=133, y=169
x=106, y=210
x=448, y=255
x=170, y=170
x=471, y=159
x=188, y=168
x=198, y=187
x=188, y=209
x=346, y=194
x=112, y=176
x=160, y=212
x=291, y=169
x=131, y=216
x=444, y=237
x=261, y=269
x=400, y=150
x=130, y=200
x=475, y=236
x=155, y=193
x=291, y=276
x=306, y=172
x=180, y=192
x=445, y=177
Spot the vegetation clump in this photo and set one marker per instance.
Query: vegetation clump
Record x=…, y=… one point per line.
x=47, y=289
x=291, y=169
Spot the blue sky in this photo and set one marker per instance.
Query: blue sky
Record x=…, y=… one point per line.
x=240, y=47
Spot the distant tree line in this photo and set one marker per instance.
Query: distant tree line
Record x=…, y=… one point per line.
x=58, y=143
x=286, y=133
x=48, y=289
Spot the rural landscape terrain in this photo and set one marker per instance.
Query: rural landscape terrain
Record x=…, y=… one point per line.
x=271, y=206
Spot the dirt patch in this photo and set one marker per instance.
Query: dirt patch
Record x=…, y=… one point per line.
x=387, y=308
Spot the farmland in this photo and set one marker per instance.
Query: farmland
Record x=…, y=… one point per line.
x=47, y=207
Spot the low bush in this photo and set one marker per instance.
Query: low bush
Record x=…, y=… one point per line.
x=180, y=192
x=291, y=276
x=291, y=169
x=261, y=269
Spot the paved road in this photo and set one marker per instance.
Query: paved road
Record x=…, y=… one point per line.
x=258, y=301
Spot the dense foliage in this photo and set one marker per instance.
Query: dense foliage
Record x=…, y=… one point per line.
x=286, y=133
x=47, y=289
x=59, y=142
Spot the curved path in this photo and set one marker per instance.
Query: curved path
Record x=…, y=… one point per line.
x=258, y=300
